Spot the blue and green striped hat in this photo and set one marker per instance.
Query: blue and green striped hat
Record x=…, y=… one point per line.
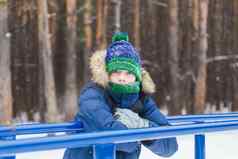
x=121, y=55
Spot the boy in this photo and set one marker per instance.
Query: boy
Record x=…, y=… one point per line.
x=118, y=98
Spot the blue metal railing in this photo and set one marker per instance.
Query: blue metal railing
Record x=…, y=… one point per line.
x=203, y=117
x=40, y=128
x=104, y=142
x=72, y=126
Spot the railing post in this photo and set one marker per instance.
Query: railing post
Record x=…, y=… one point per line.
x=12, y=137
x=106, y=151
x=200, y=147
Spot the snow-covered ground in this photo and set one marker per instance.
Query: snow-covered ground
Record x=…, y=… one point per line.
x=221, y=145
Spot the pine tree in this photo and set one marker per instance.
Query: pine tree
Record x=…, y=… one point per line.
x=173, y=57
x=70, y=100
x=88, y=37
x=52, y=114
x=5, y=73
x=200, y=87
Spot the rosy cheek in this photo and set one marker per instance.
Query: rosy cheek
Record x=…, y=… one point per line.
x=132, y=78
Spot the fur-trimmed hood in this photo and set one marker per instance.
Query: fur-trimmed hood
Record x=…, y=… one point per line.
x=100, y=76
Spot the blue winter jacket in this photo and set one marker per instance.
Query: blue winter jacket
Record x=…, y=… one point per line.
x=96, y=115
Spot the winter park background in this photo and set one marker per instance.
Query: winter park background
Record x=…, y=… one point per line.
x=188, y=46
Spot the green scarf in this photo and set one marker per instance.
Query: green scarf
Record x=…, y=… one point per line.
x=125, y=88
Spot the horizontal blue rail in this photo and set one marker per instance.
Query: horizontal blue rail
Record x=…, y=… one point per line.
x=110, y=137
x=203, y=117
x=77, y=126
x=40, y=128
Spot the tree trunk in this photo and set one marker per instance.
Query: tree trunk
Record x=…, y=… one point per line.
x=54, y=25
x=52, y=114
x=173, y=57
x=99, y=21
x=5, y=73
x=58, y=30
x=101, y=41
x=88, y=37
x=152, y=30
x=136, y=23
x=24, y=57
x=195, y=15
x=217, y=51
x=117, y=15
x=70, y=100
x=53, y=11
x=104, y=26
x=235, y=62
x=200, y=88
x=188, y=69
x=191, y=48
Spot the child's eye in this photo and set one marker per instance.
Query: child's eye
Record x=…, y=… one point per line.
x=117, y=71
x=130, y=73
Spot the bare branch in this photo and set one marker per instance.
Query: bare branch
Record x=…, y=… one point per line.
x=186, y=75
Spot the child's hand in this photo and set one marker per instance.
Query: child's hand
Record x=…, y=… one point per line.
x=130, y=118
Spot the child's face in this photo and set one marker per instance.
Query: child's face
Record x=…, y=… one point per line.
x=122, y=77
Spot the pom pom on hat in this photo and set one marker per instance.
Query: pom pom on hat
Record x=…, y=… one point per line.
x=120, y=36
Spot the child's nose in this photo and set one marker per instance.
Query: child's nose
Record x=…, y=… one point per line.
x=122, y=77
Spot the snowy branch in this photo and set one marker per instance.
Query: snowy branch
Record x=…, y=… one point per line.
x=221, y=58
x=159, y=3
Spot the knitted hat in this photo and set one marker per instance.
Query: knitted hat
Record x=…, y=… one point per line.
x=121, y=55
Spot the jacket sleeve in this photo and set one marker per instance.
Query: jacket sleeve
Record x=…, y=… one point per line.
x=162, y=147
x=96, y=111
x=151, y=112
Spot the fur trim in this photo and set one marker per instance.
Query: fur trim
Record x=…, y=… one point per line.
x=98, y=68
x=148, y=85
x=100, y=76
